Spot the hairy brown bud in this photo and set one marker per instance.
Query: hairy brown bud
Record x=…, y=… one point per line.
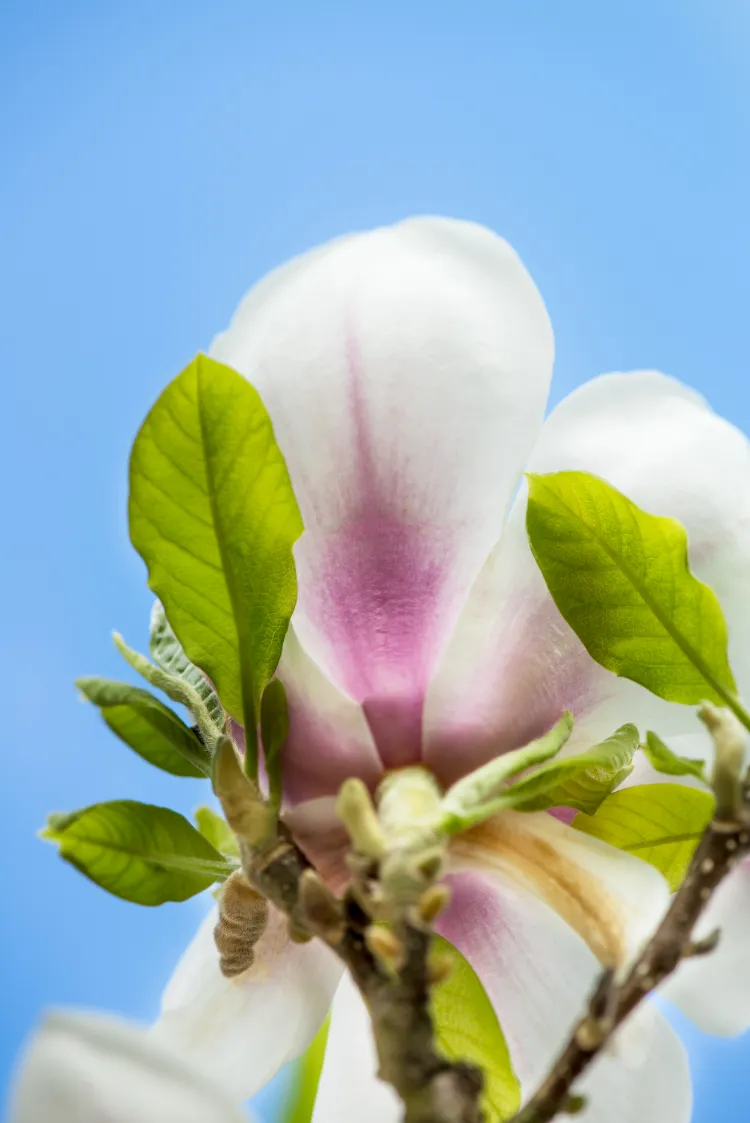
x=243, y=916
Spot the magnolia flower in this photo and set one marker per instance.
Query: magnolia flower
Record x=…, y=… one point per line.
x=406, y=372
x=80, y=1068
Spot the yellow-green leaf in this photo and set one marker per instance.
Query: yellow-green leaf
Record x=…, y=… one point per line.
x=660, y=823
x=218, y=832
x=662, y=759
x=213, y=515
x=620, y=578
x=144, y=854
x=479, y=794
x=149, y=727
x=580, y=781
x=467, y=1028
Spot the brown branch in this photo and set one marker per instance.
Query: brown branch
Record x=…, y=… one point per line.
x=725, y=842
x=433, y=1089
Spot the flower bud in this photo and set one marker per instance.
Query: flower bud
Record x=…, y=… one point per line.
x=243, y=916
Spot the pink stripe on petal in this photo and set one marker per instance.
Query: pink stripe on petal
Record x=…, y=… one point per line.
x=329, y=739
x=380, y=609
x=379, y=591
x=319, y=755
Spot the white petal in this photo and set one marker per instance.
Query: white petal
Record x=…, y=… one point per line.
x=243, y=1030
x=406, y=372
x=714, y=990
x=85, y=1069
x=613, y=900
x=538, y=974
x=513, y=665
x=349, y=1087
x=643, y=1075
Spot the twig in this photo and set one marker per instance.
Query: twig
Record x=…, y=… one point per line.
x=389, y=963
x=725, y=842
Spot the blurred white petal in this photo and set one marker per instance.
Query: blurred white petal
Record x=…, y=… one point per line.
x=242, y=1030
x=82, y=1068
x=349, y=1088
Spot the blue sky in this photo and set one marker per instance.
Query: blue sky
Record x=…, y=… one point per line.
x=159, y=157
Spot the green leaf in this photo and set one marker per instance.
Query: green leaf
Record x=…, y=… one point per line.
x=662, y=759
x=148, y=726
x=660, y=823
x=620, y=578
x=581, y=781
x=213, y=515
x=300, y=1101
x=167, y=651
x=274, y=729
x=466, y=802
x=217, y=831
x=467, y=1028
x=175, y=688
x=141, y=853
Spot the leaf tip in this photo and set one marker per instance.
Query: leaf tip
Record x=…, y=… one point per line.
x=56, y=825
x=82, y=685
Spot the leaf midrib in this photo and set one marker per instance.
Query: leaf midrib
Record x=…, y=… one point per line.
x=248, y=704
x=169, y=861
x=665, y=840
